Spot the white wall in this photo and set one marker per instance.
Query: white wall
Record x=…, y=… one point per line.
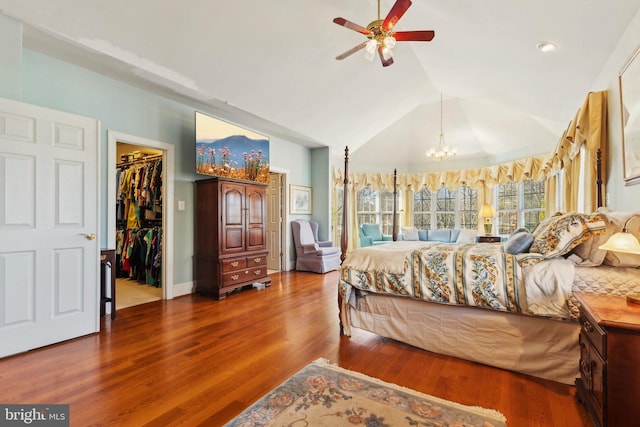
x=618, y=196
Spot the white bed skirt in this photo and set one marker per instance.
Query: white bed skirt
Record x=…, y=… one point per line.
x=541, y=347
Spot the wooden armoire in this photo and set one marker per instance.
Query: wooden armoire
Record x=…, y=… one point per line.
x=230, y=235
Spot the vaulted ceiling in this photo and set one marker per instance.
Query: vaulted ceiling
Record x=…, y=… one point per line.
x=270, y=66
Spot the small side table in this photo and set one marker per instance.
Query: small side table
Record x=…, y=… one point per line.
x=489, y=239
x=107, y=260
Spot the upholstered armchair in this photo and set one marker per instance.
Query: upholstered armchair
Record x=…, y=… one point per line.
x=311, y=254
x=371, y=234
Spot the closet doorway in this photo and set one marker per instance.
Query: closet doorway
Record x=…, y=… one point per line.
x=139, y=218
x=139, y=229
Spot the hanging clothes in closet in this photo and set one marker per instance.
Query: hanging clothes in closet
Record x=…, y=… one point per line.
x=139, y=220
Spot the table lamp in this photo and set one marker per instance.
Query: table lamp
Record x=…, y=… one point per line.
x=487, y=213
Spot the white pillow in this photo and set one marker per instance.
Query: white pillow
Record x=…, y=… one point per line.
x=467, y=236
x=410, y=233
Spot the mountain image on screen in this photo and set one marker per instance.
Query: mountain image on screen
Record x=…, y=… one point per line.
x=235, y=156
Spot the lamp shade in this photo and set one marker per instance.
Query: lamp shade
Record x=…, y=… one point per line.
x=486, y=211
x=622, y=242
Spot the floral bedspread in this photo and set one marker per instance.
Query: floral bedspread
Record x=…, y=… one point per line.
x=481, y=275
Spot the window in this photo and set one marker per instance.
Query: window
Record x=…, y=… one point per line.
x=533, y=203
x=468, y=209
x=367, y=206
x=507, y=208
x=520, y=205
x=422, y=209
x=450, y=209
x=446, y=208
x=376, y=207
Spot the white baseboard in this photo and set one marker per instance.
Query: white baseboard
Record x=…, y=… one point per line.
x=185, y=288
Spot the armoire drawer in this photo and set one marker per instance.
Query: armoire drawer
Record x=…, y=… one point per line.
x=233, y=264
x=255, y=261
x=246, y=275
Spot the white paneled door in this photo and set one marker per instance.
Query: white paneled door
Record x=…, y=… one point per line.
x=49, y=256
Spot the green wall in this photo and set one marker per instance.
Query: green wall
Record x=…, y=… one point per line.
x=39, y=79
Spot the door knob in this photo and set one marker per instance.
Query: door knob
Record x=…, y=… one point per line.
x=88, y=236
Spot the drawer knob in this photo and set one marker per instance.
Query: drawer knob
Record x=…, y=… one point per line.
x=258, y=272
x=234, y=264
x=257, y=260
x=587, y=326
x=235, y=277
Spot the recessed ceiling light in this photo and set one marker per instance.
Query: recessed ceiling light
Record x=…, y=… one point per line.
x=546, y=47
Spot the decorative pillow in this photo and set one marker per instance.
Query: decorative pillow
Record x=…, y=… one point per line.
x=467, y=236
x=518, y=243
x=565, y=232
x=410, y=233
x=542, y=225
x=589, y=251
x=518, y=231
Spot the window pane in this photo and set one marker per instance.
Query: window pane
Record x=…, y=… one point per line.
x=507, y=222
x=508, y=196
x=532, y=219
x=445, y=208
x=367, y=200
x=533, y=192
x=468, y=208
x=422, y=209
x=533, y=198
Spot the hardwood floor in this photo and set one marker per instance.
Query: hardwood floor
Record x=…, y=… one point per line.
x=196, y=361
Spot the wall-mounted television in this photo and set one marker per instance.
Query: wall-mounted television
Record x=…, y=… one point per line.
x=223, y=149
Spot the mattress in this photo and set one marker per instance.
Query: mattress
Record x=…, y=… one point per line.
x=604, y=279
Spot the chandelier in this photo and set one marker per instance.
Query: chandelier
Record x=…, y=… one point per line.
x=443, y=152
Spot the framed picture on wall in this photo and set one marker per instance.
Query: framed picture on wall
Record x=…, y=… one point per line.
x=629, y=84
x=300, y=199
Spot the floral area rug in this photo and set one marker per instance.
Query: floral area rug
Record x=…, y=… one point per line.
x=323, y=394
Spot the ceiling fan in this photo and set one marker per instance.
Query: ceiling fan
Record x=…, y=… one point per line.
x=381, y=36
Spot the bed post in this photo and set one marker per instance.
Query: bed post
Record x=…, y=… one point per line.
x=344, y=235
x=599, y=178
x=394, y=233
x=344, y=239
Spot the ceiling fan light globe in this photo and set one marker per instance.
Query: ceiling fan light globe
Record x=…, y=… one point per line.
x=371, y=47
x=369, y=55
x=389, y=42
x=386, y=53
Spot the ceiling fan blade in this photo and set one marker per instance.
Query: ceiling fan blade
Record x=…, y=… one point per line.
x=385, y=62
x=350, y=25
x=415, y=36
x=351, y=51
x=394, y=15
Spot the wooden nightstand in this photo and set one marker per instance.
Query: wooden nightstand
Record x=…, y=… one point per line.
x=609, y=383
x=488, y=239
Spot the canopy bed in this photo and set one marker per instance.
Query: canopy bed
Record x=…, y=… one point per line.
x=478, y=302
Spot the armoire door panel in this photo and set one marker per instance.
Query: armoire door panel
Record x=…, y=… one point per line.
x=232, y=208
x=233, y=240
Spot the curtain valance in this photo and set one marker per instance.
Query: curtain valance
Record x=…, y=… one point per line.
x=587, y=128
